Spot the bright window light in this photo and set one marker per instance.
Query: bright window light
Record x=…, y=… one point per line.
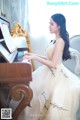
x=41, y=10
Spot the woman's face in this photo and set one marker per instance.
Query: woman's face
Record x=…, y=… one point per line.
x=53, y=27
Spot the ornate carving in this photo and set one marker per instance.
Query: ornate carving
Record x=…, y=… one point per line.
x=23, y=93
x=19, y=31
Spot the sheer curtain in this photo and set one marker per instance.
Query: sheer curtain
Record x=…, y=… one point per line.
x=17, y=12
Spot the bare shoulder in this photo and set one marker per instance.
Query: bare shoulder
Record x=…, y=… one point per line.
x=60, y=41
x=60, y=44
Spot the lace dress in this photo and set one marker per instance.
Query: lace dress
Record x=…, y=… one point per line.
x=56, y=93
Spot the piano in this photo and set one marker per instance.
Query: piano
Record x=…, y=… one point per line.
x=15, y=77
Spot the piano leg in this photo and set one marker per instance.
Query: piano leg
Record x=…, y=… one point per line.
x=18, y=92
x=14, y=82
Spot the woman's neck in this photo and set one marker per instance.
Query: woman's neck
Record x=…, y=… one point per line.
x=57, y=36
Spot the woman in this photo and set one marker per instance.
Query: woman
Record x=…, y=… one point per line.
x=56, y=90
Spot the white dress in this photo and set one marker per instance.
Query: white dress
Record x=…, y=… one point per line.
x=56, y=93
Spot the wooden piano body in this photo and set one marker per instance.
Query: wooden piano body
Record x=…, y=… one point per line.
x=15, y=77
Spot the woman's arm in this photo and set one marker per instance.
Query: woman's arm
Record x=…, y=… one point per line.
x=41, y=56
x=50, y=63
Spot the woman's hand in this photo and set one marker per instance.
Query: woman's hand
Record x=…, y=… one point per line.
x=29, y=56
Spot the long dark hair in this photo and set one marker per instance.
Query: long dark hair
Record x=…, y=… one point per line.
x=61, y=21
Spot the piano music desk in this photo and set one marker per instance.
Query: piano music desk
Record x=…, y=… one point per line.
x=15, y=78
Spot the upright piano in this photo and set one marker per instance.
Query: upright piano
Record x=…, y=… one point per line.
x=15, y=77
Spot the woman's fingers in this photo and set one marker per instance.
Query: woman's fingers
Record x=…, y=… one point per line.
x=28, y=54
x=29, y=57
x=25, y=56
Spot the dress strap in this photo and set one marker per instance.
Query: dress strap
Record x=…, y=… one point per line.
x=53, y=41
